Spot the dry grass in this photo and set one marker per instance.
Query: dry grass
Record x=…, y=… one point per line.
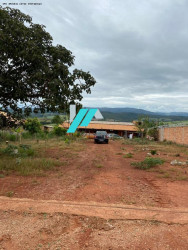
x=27, y=166
x=47, y=156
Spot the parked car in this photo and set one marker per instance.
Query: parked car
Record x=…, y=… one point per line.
x=100, y=137
x=114, y=136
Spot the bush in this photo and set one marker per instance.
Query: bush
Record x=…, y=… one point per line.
x=8, y=136
x=59, y=131
x=153, y=132
x=148, y=163
x=32, y=125
x=10, y=150
x=57, y=119
x=21, y=151
x=153, y=152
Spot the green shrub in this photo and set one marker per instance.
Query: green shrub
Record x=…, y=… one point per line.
x=8, y=136
x=148, y=163
x=12, y=137
x=57, y=119
x=32, y=125
x=153, y=132
x=153, y=152
x=27, y=135
x=59, y=131
x=10, y=150
x=21, y=151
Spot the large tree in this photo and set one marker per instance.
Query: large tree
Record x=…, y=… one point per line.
x=34, y=72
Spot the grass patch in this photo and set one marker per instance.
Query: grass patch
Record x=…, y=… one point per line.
x=18, y=151
x=129, y=155
x=27, y=166
x=137, y=141
x=182, y=178
x=166, y=175
x=148, y=163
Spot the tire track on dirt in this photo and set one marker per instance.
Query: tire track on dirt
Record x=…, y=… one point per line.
x=102, y=210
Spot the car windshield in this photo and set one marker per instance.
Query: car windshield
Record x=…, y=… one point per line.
x=101, y=133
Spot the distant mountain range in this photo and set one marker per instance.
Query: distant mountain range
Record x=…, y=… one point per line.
x=130, y=114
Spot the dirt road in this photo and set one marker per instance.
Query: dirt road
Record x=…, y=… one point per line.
x=99, y=173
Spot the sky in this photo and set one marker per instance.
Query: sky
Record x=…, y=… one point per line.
x=137, y=50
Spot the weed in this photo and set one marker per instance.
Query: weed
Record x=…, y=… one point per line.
x=148, y=163
x=181, y=178
x=9, y=193
x=35, y=182
x=28, y=166
x=10, y=150
x=2, y=176
x=21, y=151
x=153, y=152
x=136, y=141
x=99, y=165
x=129, y=155
x=166, y=175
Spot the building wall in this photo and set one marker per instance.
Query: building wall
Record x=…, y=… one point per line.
x=174, y=134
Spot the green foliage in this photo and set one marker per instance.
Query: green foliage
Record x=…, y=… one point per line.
x=1, y=122
x=10, y=150
x=129, y=155
x=148, y=163
x=21, y=151
x=153, y=132
x=28, y=166
x=32, y=125
x=59, y=131
x=8, y=136
x=57, y=119
x=153, y=152
x=12, y=137
x=35, y=71
x=144, y=124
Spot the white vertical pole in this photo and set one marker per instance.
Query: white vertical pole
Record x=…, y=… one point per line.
x=72, y=112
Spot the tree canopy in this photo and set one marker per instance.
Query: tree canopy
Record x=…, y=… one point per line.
x=57, y=119
x=34, y=72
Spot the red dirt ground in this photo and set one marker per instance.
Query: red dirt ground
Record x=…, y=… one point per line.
x=101, y=174
x=97, y=174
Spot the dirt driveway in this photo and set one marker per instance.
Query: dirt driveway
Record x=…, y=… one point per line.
x=99, y=174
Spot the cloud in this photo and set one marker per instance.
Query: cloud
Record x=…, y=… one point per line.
x=136, y=50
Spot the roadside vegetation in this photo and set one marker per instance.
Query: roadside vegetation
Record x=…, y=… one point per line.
x=24, y=151
x=148, y=163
